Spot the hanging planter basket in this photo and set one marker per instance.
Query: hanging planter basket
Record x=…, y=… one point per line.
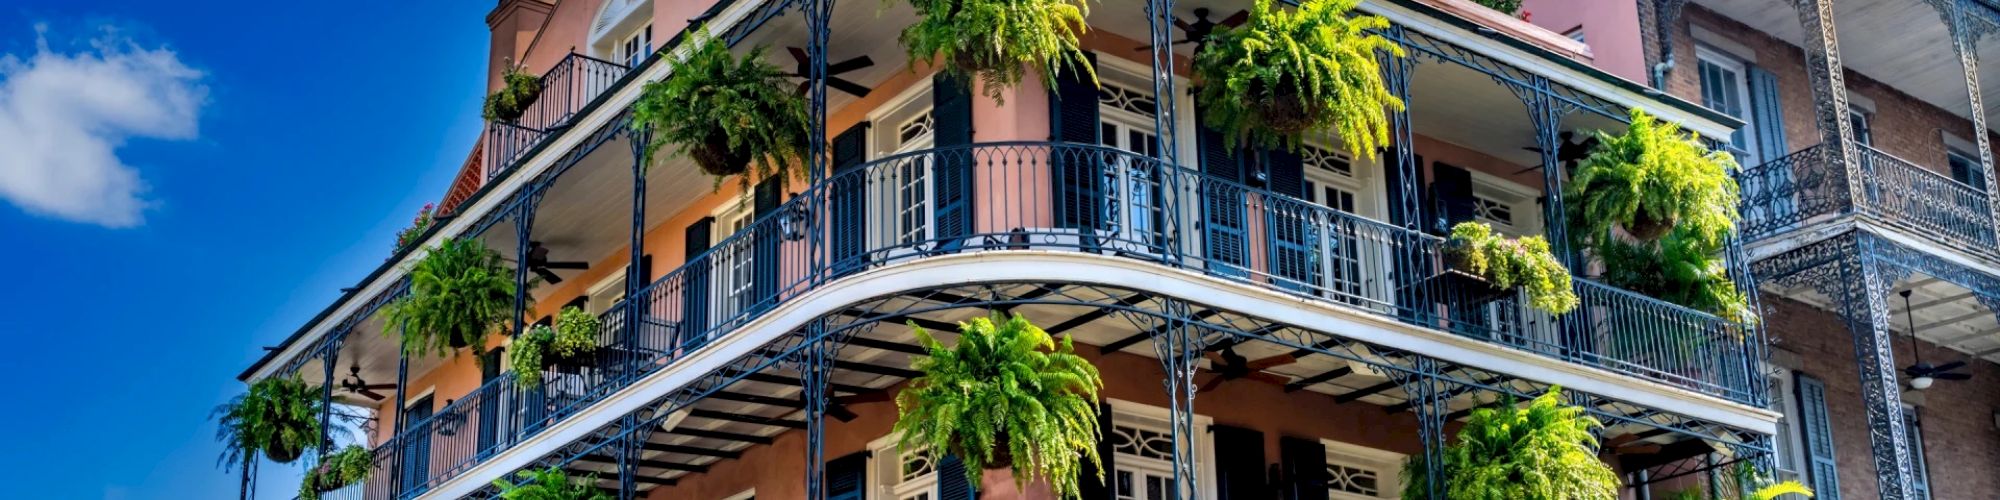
x=1646, y=227
x=282, y=452
x=716, y=158
x=1283, y=110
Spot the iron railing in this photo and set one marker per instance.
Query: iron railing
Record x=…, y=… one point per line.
x=1800, y=188
x=567, y=88
x=1097, y=200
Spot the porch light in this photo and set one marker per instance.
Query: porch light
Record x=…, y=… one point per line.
x=1920, y=383
x=792, y=223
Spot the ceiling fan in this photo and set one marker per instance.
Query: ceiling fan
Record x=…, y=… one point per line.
x=1568, y=153
x=1922, y=374
x=1228, y=365
x=539, y=263
x=354, y=384
x=834, y=82
x=1198, y=31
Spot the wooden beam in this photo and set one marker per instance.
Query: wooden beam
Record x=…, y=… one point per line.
x=1449, y=394
x=768, y=378
x=759, y=399
x=876, y=369
x=725, y=436
x=886, y=345
x=1123, y=343
x=1095, y=314
x=689, y=450
x=653, y=464
x=748, y=419
x=1315, y=379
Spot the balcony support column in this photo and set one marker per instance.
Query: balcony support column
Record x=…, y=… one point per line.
x=628, y=458
x=1430, y=401
x=815, y=363
x=524, y=227
x=1406, y=199
x=402, y=386
x=1160, y=26
x=1547, y=115
x=1964, y=42
x=329, y=351
x=1829, y=88
x=1181, y=347
x=1858, y=279
x=636, y=274
x=818, y=15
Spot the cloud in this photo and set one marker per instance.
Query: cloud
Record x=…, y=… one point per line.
x=64, y=115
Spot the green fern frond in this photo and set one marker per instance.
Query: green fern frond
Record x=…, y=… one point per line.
x=746, y=101
x=1320, y=55
x=460, y=292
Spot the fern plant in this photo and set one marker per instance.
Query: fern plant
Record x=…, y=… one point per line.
x=518, y=91
x=1283, y=73
x=1508, y=263
x=730, y=115
x=549, y=484
x=1651, y=179
x=278, y=418
x=1006, y=396
x=1677, y=269
x=574, y=336
x=1542, y=452
x=350, y=465
x=460, y=292
x=998, y=41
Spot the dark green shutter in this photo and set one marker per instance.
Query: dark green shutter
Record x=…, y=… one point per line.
x=417, y=450
x=1304, y=464
x=694, y=283
x=1090, y=486
x=1073, y=119
x=951, y=114
x=1451, y=193
x=847, y=477
x=1224, y=238
x=489, y=406
x=765, y=241
x=1768, y=113
x=1291, y=251
x=1239, y=464
x=1823, y=468
x=1920, y=470
x=849, y=190
x=951, y=481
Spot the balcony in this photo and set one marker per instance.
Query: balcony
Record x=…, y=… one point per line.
x=1806, y=187
x=1070, y=198
x=570, y=87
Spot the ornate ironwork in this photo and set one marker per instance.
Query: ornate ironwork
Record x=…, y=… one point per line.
x=1180, y=349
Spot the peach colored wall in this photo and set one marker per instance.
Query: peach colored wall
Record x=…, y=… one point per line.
x=1610, y=28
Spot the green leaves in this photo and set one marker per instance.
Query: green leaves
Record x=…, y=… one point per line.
x=278, y=417
x=512, y=100
x=1508, y=263
x=1542, y=452
x=575, y=334
x=549, y=484
x=999, y=40
x=1284, y=73
x=744, y=107
x=1007, y=395
x=459, y=292
x=348, y=466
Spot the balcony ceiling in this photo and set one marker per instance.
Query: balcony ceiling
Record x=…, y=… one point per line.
x=1903, y=44
x=1945, y=314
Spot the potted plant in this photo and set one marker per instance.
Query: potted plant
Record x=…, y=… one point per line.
x=1283, y=73
x=459, y=292
x=1507, y=263
x=278, y=417
x=730, y=115
x=348, y=466
x=1009, y=398
x=518, y=91
x=569, y=346
x=408, y=236
x=1652, y=179
x=549, y=484
x=998, y=41
x=1542, y=452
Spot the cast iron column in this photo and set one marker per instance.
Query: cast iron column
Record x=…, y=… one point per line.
x=328, y=352
x=1430, y=403
x=1829, y=88
x=815, y=363
x=817, y=14
x=1180, y=347
x=1862, y=287
x=524, y=226
x=635, y=274
x=1964, y=41
x=1160, y=25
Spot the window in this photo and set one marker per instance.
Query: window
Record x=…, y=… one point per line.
x=1143, y=469
x=902, y=474
x=1920, y=471
x=1131, y=187
x=1330, y=179
x=738, y=271
x=1577, y=34
x=1508, y=207
x=1357, y=472
x=1790, y=453
x=605, y=294
x=636, y=47
x=1965, y=168
x=1859, y=119
x=1725, y=90
x=901, y=192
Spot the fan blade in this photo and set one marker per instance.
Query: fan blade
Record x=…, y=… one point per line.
x=1948, y=366
x=1526, y=170
x=1952, y=376
x=1212, y=383
x=1216, y=358
x=371, y=387
x=855, y=89
x=1236, y=19
x=547, y=275
x=849, y=65
x=866, y=397
x=1142, y=48
x=370, y=394
x=565, y=264
x=1269, y=378
x=1273, y=361
x=799, y=56
x=1183, y=24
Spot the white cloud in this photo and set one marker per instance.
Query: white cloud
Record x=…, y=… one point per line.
x=64, y=115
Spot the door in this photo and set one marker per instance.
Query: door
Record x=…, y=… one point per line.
x=1355, y=271
x=1725, y=89
x=1132, y=185
x=417, y=450
x=737, y=264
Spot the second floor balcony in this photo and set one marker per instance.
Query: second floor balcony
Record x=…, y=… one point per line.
x=1812, y=186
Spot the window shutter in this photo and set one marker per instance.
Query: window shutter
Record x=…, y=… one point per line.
x=846, y=477
x=1239, y=463
x=1920, y=470
x=1223, y=235
x=1073, y=118
x=1304, y=464
x=951, y=114
x=951, y=482
x=1291, y=235
x=1090, y=486
x=1768, y=114
x=489, y=407
x=850, y=199
x=694, y=283
x=1814, y=425
x=1451, y=193
x=764, y=263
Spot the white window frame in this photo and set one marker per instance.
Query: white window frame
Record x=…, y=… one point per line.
x=611, y=289
x=615, y=23
x=1789, y=444
x=1118, y=177
x=1519, y=199
x=885, y=481
x=739, y=271
x=1125, y=413
x=1706, y=54
x=1388, y=467
x=635, y=46
x=1360, y=180
x=884, y=185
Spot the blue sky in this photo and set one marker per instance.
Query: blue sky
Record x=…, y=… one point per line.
x=181, y=183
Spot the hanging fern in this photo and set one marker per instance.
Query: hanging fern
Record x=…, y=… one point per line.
x=460, y=292
x=730, y=115
x=518, y=91
x=1007, y=396
x=1652, y=178
x=549, y=484
x=1676, y=269
x=1508, y=263
x=350, y=465
x=278, y=418
x=1287, y=72
x=1542, y=452
x=998, y=41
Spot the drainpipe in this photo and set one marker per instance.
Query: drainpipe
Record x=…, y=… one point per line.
x=1664, y=14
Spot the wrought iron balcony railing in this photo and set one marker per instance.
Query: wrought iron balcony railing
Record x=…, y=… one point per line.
x=573, y=84
x=1080, y=198
x=1805, y=187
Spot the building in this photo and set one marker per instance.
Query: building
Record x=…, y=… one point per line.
x=751, y=336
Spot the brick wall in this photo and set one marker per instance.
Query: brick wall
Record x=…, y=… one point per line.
x=1961, y=445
